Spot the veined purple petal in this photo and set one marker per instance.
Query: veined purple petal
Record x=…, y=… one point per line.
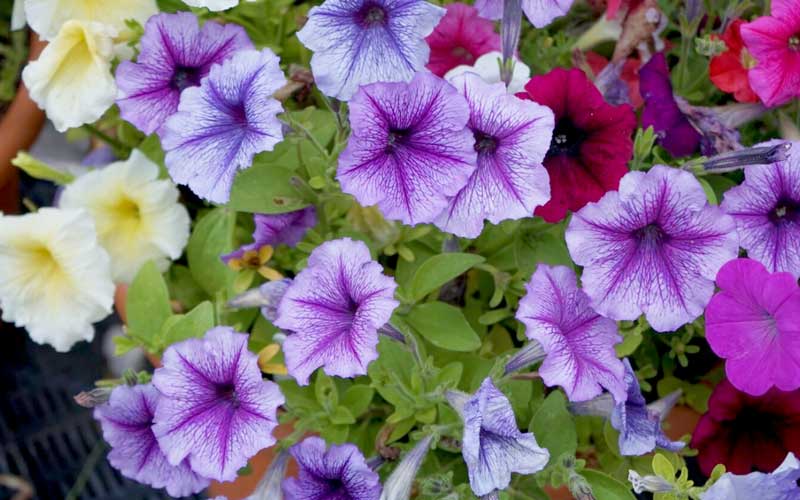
x=539, y=12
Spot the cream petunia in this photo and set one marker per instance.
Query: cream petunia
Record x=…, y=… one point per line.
x=138, y=217
x=55, y=279
x=72, y=79
x=46, y=17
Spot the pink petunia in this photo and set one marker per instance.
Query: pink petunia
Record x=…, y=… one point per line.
x=460, y=38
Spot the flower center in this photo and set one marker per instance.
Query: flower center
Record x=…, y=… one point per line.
x=567, y=139
x=794, y=42
x=785, y=211
x=650, y=235
x=371, y=15
x=461, y=53
x=396, y=137
x=228, y=393
x=484, y=143
x=184, y=77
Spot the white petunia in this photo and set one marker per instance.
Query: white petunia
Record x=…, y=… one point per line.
x=487, y=67
x=138, y=216
x=18, y=15
x=55, y=278
x=72, y=79
x=214, y=5
x=46, y=17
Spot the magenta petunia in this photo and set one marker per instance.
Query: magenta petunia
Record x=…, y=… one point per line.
x=539, y=12
x=174, y=53
x=277, y=229
x=127, y=420
x=511, y=137
x=653, y=248
x=460, y=38
x=766, y=208
x=410, y=148
x=579, y=342
x=333, y=310
x=221, y=125
x=754, y=323
x=215, y=409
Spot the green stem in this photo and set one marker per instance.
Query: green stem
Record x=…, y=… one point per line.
x=111, y=141
x=83, y=477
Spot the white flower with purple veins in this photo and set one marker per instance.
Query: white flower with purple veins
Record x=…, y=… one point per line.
x=654, y=247
x=511, y=137
x=216, y=410
x=781, y=484
x=487, y=67
x=539, y=12
x=333, y=310
x=356, y=42
x=222, y=124
x=492, y=445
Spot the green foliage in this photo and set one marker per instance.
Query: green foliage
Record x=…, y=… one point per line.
x=605, y=487
x=147, y=308
x=554, y=427
x=444, y=326
x=40, y=170
x=212, y=236
x=438, y=270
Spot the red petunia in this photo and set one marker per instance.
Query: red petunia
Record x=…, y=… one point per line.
x=460, y=37
x=747, y=433
x=591, y=142
x=728, y=71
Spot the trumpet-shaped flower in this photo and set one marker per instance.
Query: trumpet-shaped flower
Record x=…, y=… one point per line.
x=539, y=12
x=728, y=70
x=460, y=38
x=46, y=17
x=222, y=124
x=333, y=309
x=356, y=42
x=216, y=409
x=127, y=421
x=71, y=80
x=138, y=217
x=780, y=484
x=55, y=279
x=487, y=67
x=653, y=248
x=276, y=229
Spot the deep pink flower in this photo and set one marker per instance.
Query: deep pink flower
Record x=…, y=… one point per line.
x=460, y=37
x=774, y=42
x=754, y=323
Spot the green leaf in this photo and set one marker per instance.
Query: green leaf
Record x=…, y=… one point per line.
x=151, y=148
x=443, y=326
x=40, y=170
x=325, y=390
x=710, y=194
x=124, y=344
x=342, y=416
x=298, y=398
x=440, y=269
x=663, y=467
x=606, y=487
x=357, y=399
x=553, y=414
x=194, y=324
x=267, y=188
x=212, y=237
x=147, y=306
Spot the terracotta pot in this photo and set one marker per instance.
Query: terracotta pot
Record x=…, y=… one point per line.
x=681, y=421
x=19, y=128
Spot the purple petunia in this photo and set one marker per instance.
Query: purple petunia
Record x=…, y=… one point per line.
x=493, y=446
x=221, y=125
x=780, y=484
x=126, y=420
x=276, y=229
x=337, y=473
x=410, y=149
x=512, y=137
x=539, y=12
x=216, y=409
x=175, y=53
x=653, y=248
x=766, y=208
x=356, y=42
x=333, y=310
x=579, y=342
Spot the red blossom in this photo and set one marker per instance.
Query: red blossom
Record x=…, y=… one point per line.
x=728, y=71
x=460, y=37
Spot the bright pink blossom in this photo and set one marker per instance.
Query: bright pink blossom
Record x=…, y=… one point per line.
x=460, y=38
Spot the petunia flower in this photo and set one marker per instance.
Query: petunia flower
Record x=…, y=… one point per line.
x=766, y=208
x=256, y=259
x=780, y=484
x=487, y=67
x=460, y=38
x=747, y=433
x=774, y=43
x=492, y=445
x=221, y=125
x=55, y=278
x=269, y=488
x=579, y=342
x=175, y=53
x=138, y=217
x=277, y=229
x=356, y=42
x=46, y=17
x=213, y=5
x=728, y=70
x=398, y=485
x=511, y=138
x=127, y=421
x=410, y=148
x=266, y=297
x=653, y=248
x=216, y=410
x=591, y=142
x=338, y=472
x=624, y=72
x=71, y=80
x=754, y=324
x=539, y=12
x=333, y=309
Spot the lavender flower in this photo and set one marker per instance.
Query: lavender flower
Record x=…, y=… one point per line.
x=334, y=309
x=126, y=420
x=337, y=473
x=539, y=12
x=766, y=208
x=781, y=484
x=654, y=247
x=266, y=297
x=175, y=53
x=512, y=137
x=578, y=341
x=356, y=42
x=410, y=149
x=269, y=488
x=216, y=409
x=493, y=446
x=221, y=125
x=399, y=484
x=275, y=229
